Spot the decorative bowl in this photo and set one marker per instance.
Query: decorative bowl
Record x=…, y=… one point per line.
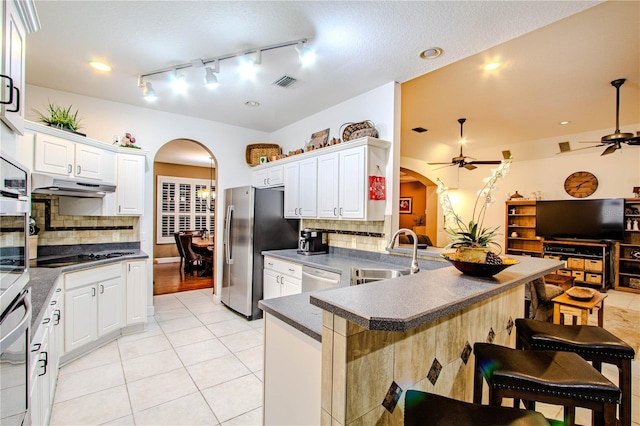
x=479, y=269
x=581, y=293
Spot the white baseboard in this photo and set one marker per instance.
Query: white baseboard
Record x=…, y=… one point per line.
x=167, y=259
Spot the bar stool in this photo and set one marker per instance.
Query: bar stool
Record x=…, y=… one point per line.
x=592, y=343
x=561, y=378
x=421, y=408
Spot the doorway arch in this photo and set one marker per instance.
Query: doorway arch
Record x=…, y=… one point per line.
x=422, y=190
x=188, y=161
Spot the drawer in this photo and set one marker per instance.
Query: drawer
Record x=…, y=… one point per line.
x=593, y=265
x=283, y=267
x=575, y=263
x=563, y=272
x=578, y=275
x=548, y=256
x=92, y=275
x=593, y=278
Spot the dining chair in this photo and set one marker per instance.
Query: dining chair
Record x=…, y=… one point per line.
x=180, y=249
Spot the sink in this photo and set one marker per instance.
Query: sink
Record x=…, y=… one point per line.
x=367, y=275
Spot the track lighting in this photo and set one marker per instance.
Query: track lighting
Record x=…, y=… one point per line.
x=249, y=59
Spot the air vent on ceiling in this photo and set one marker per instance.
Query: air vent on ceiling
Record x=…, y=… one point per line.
x=285, y=81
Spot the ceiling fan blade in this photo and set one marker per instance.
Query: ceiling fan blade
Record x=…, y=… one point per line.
x=633, y=141
x=590, y=142
x=580, y=149
x=447, y=165
x=468, y=166
x=438, y=164
x=610, y=149
x=485, y=162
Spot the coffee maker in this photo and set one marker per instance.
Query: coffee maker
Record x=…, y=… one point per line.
x=312, y=242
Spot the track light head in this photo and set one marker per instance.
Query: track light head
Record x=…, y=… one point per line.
x=178, y=82
x=210, y=79
x=148, y=92
x=306, y=54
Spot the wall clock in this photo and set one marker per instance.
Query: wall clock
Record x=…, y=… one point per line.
x=581, y=184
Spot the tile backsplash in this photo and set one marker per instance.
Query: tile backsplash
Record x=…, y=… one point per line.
x=56, y=229
x=352, y=234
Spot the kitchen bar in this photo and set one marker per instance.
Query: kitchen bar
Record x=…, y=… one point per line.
x=414, y=330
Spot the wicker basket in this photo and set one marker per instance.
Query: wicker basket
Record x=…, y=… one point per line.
x=255, y=151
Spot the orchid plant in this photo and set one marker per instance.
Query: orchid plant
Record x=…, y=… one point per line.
x=472, y=234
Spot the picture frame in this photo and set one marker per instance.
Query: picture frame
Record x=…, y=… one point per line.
x=636, y=191
x=405, y=205
x=319, y=139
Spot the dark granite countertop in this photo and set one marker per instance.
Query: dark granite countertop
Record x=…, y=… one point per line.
x=297, y=311
x=42, y=282
x=397, y=304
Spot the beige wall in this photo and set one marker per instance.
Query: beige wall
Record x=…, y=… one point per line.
x=418, y=192
x=177, y=170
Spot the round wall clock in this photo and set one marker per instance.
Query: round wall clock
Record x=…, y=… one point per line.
x=581, y=184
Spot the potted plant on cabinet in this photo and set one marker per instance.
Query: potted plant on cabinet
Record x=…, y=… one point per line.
x=61, y=118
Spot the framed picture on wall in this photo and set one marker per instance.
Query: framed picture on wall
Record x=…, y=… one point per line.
x=406, y=205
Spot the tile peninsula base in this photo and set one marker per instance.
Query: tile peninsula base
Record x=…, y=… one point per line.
x=359, y=365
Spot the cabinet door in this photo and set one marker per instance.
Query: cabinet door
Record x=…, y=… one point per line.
x=89, y=162
x=130, y=185
x=111, y=302
x=290, y=285
x=13, y=59
x=328, y=185
x=267, y=177
x=271, y=284
x=307, y=189
x=80, y=317
x=292, y=190
x=53, y=155
x=136, y=292
x=352, y=183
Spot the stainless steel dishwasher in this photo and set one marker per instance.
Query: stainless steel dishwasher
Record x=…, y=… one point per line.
x=318, y=279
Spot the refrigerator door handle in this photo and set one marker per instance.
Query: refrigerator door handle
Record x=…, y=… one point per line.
x=227, y=232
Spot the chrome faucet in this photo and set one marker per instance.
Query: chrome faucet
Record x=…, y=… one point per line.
x=414, y=260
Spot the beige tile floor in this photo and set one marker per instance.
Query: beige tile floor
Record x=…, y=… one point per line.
x=199, y=364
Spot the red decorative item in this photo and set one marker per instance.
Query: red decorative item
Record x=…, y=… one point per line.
x=377, y=188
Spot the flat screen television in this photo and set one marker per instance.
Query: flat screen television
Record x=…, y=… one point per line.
x=596, y=220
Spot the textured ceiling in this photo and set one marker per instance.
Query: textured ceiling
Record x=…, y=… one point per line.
x=360, y=45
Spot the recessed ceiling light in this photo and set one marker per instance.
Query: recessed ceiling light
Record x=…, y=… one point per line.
x=491, y=66
x=100, y=66
x=564, y=123
x=252, y=104
x=431, y=53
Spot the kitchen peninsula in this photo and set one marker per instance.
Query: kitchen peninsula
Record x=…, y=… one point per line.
x=415, y=332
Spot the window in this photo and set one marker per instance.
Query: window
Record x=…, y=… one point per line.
x=180, y=208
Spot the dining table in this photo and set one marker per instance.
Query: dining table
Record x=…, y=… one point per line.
x=200, y=242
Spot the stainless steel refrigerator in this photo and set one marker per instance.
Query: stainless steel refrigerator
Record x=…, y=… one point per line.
x=254, y=221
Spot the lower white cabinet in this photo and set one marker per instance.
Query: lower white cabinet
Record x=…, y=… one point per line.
x=46, y=348
x=281, y=278
x=94, y=304
x=136, y=273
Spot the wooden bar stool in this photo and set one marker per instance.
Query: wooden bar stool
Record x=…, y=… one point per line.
x=592, y=343
x=422, y=408
x=561, y=378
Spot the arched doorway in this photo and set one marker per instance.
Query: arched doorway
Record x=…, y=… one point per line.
x=185, y=173
x=421, y=204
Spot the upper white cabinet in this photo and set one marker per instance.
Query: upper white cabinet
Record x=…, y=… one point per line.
x=332, y=182
x=268, y=177
x=300, y=190
x=59, y=156
x=18, y=19
x=130, y=185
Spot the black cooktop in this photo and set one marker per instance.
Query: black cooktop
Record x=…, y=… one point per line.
x=58, y=262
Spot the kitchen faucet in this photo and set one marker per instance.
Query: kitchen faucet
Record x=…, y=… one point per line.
x=414, y=261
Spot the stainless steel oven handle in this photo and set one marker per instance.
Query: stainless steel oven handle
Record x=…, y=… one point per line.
x=18, y=331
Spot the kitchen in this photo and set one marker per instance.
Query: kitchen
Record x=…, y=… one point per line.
x=380, y=105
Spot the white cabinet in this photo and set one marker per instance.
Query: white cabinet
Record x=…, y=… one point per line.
x=62, y=157
x=300, y=190
x=268, y=176
x=45, y=356
x=281, y=278
x=18, y=18
x=130, y=184
x=94, y=304
x=136, y=273
x=343, y=183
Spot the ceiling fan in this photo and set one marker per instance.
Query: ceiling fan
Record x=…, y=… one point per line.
x=615, y=140
x=460, y=160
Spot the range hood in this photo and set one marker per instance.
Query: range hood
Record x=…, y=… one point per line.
x=55, y=185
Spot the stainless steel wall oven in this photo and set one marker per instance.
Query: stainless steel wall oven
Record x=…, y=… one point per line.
x=15, y=301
